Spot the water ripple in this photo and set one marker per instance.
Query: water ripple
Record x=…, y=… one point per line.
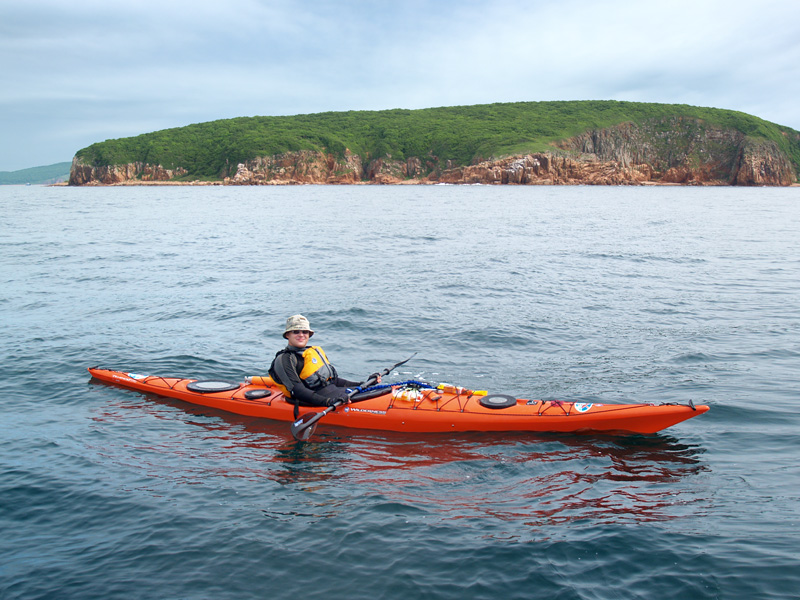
x=600, y=295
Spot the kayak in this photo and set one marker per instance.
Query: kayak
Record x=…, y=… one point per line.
x=415, y=409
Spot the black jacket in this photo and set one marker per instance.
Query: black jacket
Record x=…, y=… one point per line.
x=286, y=369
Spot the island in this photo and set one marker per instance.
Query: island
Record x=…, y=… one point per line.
x=523, y=143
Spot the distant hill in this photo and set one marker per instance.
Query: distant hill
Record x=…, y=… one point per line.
x=389, y=146
x=36, y=175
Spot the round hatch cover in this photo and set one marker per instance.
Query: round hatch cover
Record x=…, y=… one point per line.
x=212, y=385
x=498, y=401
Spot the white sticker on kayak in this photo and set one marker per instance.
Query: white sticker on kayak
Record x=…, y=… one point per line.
x=365, y=410
x=136, y=376
x=582, y=406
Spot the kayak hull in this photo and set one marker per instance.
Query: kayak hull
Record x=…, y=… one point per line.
x=433, y=411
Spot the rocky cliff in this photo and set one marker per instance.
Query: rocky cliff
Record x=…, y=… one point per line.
x=681, y=150
x=81, y=174
x=299, y=167
x=668, y=151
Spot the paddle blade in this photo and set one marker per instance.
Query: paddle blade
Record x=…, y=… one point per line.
x=304, y=427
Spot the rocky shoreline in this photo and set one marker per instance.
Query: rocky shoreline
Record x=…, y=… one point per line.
x=532, y=169
x=411, y=182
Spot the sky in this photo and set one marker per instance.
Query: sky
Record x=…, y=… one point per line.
x=75, y=73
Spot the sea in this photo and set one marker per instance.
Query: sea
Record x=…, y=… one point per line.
x=591, y=294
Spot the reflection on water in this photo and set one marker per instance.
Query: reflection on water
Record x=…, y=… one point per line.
x=539, y=480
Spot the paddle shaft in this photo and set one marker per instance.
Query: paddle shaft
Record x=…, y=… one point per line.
x=303, y=427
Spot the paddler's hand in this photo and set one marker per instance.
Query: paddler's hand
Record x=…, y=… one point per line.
x=376, y=377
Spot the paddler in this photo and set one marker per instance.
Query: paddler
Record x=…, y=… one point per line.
x=304, y=373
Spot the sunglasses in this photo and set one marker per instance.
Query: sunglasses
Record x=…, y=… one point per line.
x=300, y=332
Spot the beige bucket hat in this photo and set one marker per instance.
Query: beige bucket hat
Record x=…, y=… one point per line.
x=297, y=323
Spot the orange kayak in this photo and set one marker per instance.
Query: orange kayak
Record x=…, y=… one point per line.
x=418, y=411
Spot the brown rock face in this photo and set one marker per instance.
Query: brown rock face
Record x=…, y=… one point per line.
x=547, y=169
x=387, y=171
x=298, y=167
x=762, y=163
x=681, y=150
x=81, y=174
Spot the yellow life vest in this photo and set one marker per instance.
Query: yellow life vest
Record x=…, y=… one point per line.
x=316, y=372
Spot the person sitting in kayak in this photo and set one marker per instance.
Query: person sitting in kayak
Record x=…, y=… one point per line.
x=304, y=373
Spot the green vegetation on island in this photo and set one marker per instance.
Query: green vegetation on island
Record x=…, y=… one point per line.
x=36, y=175
x=460, y=134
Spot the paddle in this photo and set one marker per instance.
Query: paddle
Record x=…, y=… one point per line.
x=304, y=427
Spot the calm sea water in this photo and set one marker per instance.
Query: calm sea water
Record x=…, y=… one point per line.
x=576, y=293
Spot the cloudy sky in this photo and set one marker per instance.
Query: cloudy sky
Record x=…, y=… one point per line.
x=74, y=73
